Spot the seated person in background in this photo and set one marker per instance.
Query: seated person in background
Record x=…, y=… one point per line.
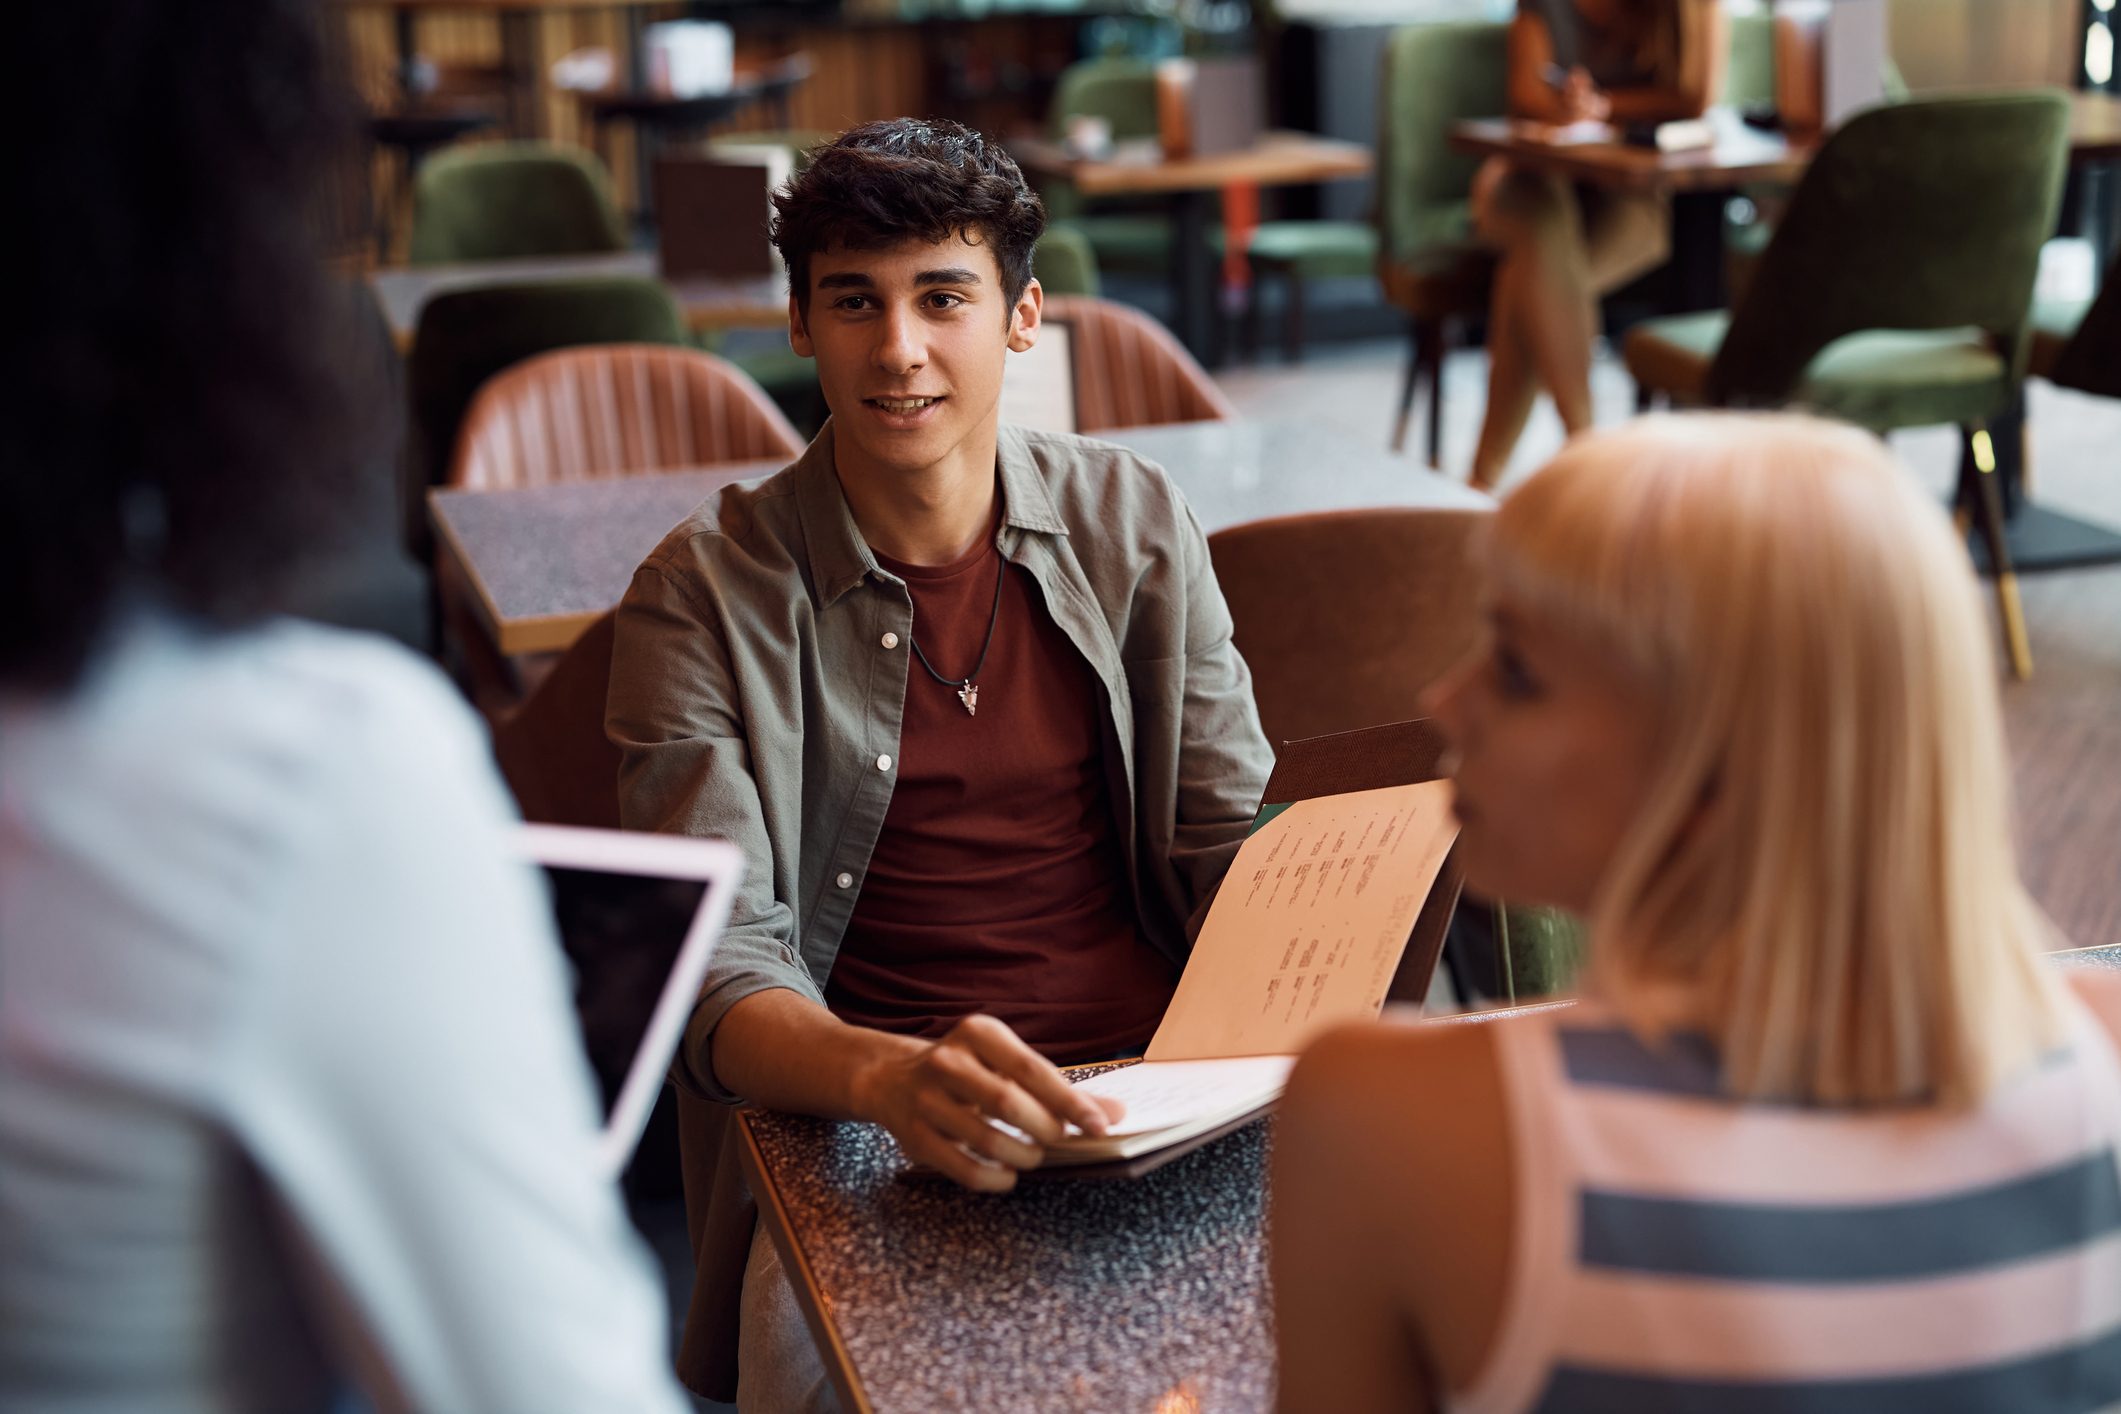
x=1826, y=1131
x=291, y=1096
x=1562, y=245
x=966, y=697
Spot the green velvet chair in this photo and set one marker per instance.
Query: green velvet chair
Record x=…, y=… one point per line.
x=1749, y=82
x=464, y=337
x=1125, y=235
x=506, y=200
x=1431, y=265
x=1896, y=291
x=1064, y=262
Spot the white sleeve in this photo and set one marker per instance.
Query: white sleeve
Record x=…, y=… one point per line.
x=408, y=1079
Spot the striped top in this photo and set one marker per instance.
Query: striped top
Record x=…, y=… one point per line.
x=1677, y=1250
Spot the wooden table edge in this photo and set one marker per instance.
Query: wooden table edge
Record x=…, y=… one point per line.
x=802, y=1280
x=1556, y=157
x=1105, y=177
x=533, y=633
x=547, y=633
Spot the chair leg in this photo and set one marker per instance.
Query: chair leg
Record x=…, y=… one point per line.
x=1439, y=344
x=1255, y=316
x=1988, y=514
x=1644, y=398
x=1292, y=324
x=1406, y=386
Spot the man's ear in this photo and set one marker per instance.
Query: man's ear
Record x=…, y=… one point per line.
x=1023, y=320
x=798, y=333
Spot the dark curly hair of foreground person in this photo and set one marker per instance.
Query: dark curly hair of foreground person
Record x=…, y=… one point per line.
x=190, y=400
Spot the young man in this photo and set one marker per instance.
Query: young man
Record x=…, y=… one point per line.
x=966, y=697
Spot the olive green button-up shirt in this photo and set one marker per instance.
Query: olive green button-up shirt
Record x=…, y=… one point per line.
x=758, y=681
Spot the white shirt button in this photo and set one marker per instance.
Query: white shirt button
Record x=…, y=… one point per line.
x=891, y=640
x=845, y=881
x=883, y=763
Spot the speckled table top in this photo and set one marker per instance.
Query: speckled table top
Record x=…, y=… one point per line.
x=545, y=561
x=1147, y=1294
x=2109, y=956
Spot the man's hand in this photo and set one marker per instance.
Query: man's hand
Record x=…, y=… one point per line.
x=937, y=1101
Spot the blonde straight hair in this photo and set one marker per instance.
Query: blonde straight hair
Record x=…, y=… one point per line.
x=1823, y=865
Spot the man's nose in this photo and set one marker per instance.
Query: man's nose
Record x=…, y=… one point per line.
x=900, y=347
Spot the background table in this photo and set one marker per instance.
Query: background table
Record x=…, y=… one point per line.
x=1277, y=160
x=1148, y=1294
x=1740, y=156
x=757, y=303
x=545, y=561
x=1699, y=181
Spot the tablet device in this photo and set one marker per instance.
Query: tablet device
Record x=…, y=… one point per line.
x=638, y=915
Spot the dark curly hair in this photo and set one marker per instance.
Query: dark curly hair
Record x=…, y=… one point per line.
x=907, y=179
x=191, y=414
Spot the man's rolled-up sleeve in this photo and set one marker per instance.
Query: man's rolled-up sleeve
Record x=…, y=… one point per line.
x=686, y=768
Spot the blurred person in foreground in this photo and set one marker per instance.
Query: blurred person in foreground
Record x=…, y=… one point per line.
x=1826, y=1131
x=291, y=1099
x=1563, y=245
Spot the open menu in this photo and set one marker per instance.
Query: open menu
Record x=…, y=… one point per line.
x=1306, y=932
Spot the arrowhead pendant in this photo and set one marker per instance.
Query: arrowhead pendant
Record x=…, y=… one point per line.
x=969, y=695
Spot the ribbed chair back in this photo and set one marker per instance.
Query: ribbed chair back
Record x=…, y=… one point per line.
x=610, y=409
x=1317, y=668
x=1130, y=371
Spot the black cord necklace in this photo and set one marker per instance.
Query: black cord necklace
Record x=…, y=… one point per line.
x=968, y=686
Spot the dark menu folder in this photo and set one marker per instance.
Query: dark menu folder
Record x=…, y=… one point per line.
x=711, y=214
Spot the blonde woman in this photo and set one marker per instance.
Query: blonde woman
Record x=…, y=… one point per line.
x=1563, y=246
x=1826, y=1133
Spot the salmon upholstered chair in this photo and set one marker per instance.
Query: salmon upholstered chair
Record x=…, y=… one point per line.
x=609, y=409
x=1130, y=371
x=1317, y=668
x=552, y=748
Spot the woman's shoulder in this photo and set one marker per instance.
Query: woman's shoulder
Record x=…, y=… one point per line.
x=1405, y=1127
x=224, y=751
x=1427, y=1093
x=2099, y=988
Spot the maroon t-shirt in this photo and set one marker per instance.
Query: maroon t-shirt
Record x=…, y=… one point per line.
x=997, y=884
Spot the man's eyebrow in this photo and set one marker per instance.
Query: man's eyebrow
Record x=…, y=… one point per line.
x=953, y=275
x=846, y=280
